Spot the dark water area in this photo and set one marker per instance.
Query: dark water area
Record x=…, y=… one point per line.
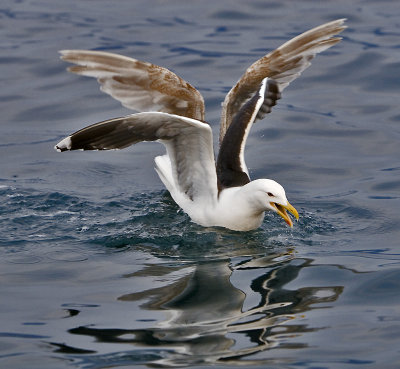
x=100, y=269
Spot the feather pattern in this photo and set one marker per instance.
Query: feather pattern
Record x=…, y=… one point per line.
x=138, y=85
x=284, y=64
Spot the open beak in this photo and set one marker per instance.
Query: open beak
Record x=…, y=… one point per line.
x=281, y=210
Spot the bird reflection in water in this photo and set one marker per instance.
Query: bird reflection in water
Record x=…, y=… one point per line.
x=212, y=319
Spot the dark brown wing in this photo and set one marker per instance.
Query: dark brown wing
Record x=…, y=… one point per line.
x=231, y=167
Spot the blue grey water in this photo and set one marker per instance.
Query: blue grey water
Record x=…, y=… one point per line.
x=100, y=269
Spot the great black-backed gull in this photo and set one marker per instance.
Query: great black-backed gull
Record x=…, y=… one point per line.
x=172, y=112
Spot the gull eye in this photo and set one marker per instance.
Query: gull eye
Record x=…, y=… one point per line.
x=270, y=194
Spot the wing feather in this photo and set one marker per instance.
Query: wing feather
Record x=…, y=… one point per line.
x=188, y=141
x=283, y=65
x=138, y=85
x=231, y=167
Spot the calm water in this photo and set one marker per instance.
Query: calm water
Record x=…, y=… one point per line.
x=99, y=269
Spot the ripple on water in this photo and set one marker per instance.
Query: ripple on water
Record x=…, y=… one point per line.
x=24, y=258
x=143, y=219
x=69, y=255
x=152, y=221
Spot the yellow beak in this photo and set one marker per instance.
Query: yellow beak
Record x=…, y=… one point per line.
x=281, y=210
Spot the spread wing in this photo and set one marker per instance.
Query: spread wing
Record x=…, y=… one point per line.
x=138, y=85
x=231, y=167
x=189, y=145
x=283, y=65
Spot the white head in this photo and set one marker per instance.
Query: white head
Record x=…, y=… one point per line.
x=268, y=195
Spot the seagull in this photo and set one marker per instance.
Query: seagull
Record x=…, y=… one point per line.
x=171, y=111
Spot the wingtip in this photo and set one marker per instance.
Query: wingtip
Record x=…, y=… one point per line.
x=340, y=23
x=59, y=149
x=63, y=53
x=64, y=145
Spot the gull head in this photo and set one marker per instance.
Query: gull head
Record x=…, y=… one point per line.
x=268, y=195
